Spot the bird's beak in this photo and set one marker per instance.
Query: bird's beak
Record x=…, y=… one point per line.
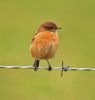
x=59, y=28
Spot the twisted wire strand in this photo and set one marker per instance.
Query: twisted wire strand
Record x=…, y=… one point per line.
x=63, y=68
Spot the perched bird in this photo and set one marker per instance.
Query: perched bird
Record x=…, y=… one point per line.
x=44, y=43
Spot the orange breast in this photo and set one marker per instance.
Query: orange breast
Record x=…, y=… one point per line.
x=44, y=45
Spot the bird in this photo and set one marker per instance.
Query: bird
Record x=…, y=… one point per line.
x=44, y=43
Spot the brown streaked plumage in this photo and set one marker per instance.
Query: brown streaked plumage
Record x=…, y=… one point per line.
x=45, y=43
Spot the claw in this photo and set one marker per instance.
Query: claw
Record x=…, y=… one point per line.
x=49, y=68
x=35, y=69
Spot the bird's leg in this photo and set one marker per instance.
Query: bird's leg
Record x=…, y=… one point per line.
x=49, y=68
x=36, y=65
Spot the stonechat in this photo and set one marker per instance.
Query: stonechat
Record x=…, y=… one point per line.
x=44, y=43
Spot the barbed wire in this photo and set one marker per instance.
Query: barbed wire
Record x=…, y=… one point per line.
x=65, y=68
x=62, y=69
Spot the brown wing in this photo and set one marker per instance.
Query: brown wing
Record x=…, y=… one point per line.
x=33, y=37
x=41, y=29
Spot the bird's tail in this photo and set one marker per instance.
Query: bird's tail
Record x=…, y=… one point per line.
x=36, y=65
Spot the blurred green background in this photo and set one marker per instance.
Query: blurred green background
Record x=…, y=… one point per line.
x=19, y=20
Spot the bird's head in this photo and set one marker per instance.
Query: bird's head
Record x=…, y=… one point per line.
x=48, y=26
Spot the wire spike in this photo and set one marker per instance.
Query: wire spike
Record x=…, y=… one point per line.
x=62, y=69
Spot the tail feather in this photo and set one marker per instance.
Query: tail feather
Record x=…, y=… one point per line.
x=36, y=64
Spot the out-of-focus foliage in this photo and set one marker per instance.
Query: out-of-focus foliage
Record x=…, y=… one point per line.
x=19, y=20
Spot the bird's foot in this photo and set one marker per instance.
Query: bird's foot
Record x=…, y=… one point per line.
x=49, y=68
x=35, y=68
